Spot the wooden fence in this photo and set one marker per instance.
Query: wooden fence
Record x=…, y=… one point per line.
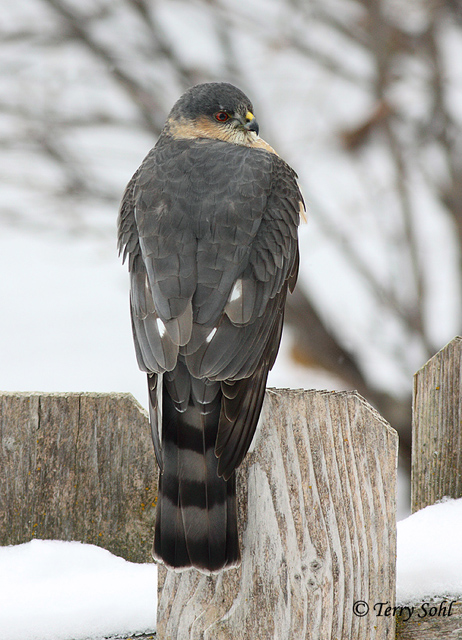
x=436, y=465
x=77, y=466
x=317, y=504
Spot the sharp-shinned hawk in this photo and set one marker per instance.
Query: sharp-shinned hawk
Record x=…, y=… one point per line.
x=209, y=226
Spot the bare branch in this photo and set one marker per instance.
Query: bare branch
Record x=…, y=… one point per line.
x=290, y=40
x=164, y=47
x=150, y=108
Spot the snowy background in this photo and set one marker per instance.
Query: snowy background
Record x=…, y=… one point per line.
x=363, y=99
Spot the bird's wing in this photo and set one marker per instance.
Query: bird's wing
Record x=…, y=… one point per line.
x=187, y=222
x=154, y=232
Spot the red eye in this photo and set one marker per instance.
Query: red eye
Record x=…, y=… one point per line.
x=221, y=116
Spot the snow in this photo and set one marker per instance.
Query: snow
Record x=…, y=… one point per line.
x=53, y=590
x=429, y=553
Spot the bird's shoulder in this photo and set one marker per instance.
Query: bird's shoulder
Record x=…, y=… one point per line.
x=209, y=166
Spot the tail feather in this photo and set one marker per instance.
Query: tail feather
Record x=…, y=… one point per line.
x=196, y=521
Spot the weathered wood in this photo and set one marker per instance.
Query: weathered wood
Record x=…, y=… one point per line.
x=437, y=428
x=317, y=517
x=432, y=619
x=77, y=466
x=436, y=472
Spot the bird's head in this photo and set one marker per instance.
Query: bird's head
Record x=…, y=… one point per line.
x=215, y=110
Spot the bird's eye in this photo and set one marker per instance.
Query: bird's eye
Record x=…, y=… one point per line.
x=221, y=116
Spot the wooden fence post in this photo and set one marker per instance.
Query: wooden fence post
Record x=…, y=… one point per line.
x=437, y=428
x=77, y=466
x=436, y=465
x=317, y=515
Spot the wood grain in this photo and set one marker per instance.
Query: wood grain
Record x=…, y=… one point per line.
x=317, y=524
x=432, y=619
x=77, y=466
x=436, y=430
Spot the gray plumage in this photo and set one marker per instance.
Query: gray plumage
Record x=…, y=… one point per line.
x=210, y=231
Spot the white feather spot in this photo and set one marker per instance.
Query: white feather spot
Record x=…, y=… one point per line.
x=211, y=334
x=161, y=327
x=236, y=291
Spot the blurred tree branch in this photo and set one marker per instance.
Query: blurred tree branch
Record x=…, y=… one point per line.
x=78, y=27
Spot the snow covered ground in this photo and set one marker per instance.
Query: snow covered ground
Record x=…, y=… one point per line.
x=65, y=323
x=70, y=591
x=430, y=553
x=53, y=590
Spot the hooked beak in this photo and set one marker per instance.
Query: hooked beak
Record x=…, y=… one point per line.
x=251, y=123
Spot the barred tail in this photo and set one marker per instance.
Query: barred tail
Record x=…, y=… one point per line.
x=196, y=520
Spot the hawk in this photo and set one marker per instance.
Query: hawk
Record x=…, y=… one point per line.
x=209, y=226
